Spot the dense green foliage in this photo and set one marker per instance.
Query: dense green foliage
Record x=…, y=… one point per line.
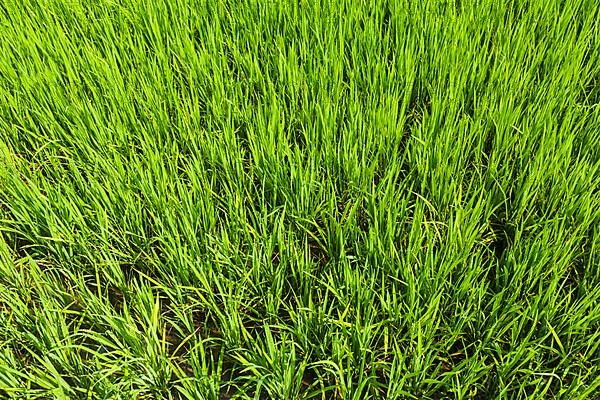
x=299, y=199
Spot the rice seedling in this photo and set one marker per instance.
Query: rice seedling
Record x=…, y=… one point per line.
x=214, y=199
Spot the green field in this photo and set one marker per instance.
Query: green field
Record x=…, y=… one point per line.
x=334, y=199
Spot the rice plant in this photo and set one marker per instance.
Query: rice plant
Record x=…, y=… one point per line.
x=308, y=199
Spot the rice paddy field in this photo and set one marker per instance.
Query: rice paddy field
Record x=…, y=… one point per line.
x=335, y=199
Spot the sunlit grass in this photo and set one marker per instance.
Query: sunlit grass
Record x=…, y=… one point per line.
x=299, y=199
